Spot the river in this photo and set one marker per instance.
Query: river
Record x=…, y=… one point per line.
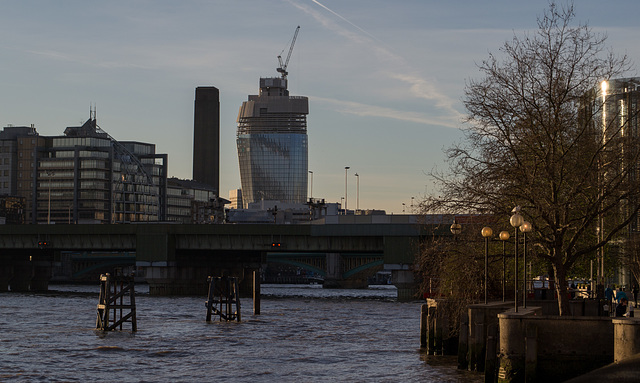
x=304, y=334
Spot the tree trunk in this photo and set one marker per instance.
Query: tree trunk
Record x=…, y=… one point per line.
x=561, y=289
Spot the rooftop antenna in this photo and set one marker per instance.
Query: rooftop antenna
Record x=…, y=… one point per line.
x=283, y=66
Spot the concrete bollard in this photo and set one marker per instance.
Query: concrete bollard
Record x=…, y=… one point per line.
x=626, y=338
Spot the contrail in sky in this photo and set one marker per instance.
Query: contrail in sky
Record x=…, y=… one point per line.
x=343, y=18
x=418, y=86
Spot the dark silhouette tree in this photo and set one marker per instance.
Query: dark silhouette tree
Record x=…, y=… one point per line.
x=536, y=137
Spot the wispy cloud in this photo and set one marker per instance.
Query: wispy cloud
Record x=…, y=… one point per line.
x=84, y=60
x=365, y=110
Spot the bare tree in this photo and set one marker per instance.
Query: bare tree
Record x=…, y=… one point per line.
x=536, y=136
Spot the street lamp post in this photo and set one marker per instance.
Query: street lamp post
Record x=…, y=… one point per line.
x=486, y=233
x=524, y=228
x=311, y=192
x=516, y=221
x=345, y=189
x=357, y=192
x=504, y=237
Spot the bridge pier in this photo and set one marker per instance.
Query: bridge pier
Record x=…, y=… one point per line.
x=41, y=275
x=403, y=280
x=6, y=272
x=333, y=278
x=22, y=274
x=167, y=280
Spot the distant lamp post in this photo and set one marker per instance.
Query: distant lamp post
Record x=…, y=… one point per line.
x=403, y=205
x=344, y=212
x=311, y=192
x=357, y=192
x=516, y=221
x=504, y=237
x=412, y=198
x=524, y=228
x=486, y=233
x=455, y=228
x=345, y=188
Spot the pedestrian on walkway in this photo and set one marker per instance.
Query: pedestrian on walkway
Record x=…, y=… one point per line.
x=608, y=294
x=621, y=308
x=620, y=295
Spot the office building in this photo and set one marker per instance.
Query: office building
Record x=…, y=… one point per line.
x=84, y=176
x=272, y=144
x=235, y=197
x=618, y=105
x=17, y=152
x=206, y=137
x=192, y=202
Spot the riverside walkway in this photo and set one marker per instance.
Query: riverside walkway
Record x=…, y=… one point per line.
x=626, y=371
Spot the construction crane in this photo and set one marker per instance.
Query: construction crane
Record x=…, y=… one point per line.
x=283, y=66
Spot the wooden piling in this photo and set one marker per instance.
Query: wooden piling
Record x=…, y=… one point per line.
x=256, y=292
x=490, y=360
x=444, y=331
x=438, y=335
x=479, y=347
x=424, y=325
x=431, y=331
x=531, y=353
x=111, y=300
x=463, y=341
x=223, y=295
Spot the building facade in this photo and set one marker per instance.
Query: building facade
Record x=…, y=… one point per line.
x=272, y=144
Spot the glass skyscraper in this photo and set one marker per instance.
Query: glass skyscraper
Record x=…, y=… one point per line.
x=273, y=145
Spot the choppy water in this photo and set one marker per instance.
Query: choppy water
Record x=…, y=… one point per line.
x=304, y=334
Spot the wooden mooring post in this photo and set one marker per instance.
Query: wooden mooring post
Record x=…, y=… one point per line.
x=114, y=290
x=223, y=295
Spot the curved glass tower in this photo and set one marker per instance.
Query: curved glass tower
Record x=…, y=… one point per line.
x=272, y=144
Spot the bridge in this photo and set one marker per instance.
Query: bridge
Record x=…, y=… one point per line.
x=177, y=258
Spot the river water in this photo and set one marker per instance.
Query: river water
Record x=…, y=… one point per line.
x=304, y=334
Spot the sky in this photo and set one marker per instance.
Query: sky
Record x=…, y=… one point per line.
x=385, y=79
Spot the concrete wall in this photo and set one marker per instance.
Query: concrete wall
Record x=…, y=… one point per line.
x=559, y=348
